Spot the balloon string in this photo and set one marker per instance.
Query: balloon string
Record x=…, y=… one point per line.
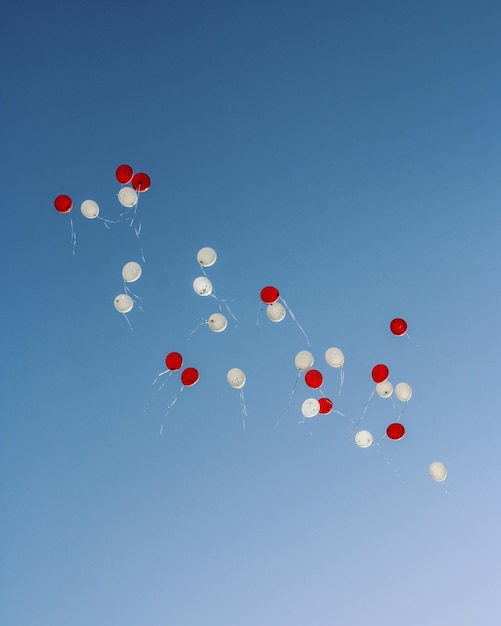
x=290, y=398
x=170, y=407
x=338, y=412
x=366, y=406
x=386, y=460
x=133, y=295
x=73, y=236
x=342, y=380
x=128, y=321
x=243, y=407
x=169, y=372
x=201, y=323
x=297, y=323
x=213, y=295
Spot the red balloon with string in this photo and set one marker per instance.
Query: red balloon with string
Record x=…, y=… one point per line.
x=141, y=182
x=173, y=361
x=269, y=294
x=398, y=326
x=63, y=203
x=189, y=376
x=395, y=431
x=380, y=373
x=326, y=405
x=124, y=173
x=313, y=378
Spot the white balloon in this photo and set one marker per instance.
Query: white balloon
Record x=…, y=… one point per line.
x=202, y=286
x=363, y=439
x=275, y=311
x=438, y=471
x=310, y=408
x=123, y=303
x=217, y=322
x=131, y=271
x=206, y=257
x=334, y=357
x=90, y=209
x=403, y=391
x=127, y=197
x=304, y=360
x=236, y=378
x=384, y=389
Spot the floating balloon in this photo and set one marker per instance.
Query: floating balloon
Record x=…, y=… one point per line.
x=313, y=378
x=90, y=209
x=206, y=257
x=189, y=376
x=398, y=326
x=395, y=431
x=275, y=311
x=63, y=204
x=304, y=360
x=236, y=378
x=269, y=294
x=141, y=182
x=384, y=389
x=131, y=272
x=173, y=361
x=403, y=391
x=310, y=407
x=202, y=286
x=123, y=303
x=363, y=439
x=127, y=197
x=438, y=471
x=380, y=373
x=326, y=406
x=217, y=322
x=124, y=174
x=334, y=357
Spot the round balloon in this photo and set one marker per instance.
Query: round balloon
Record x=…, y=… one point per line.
x=90, y=209
x=310, y=407
x=403, y=391
x=275, y=311
x=326, y=406
x=438, y=471
x=127, y=197
x=363, y=439
x=304, y=360
x=206, y=257
x=124, y=174
x=380, y=373
x=63, y=204
x=189, y=376
x=236, y=378
x=384, y=390
x=217, y=322
x=173, y=361
x=395, y=431
x=131, y=271
x=269, y=294
x=398, y=326
x=202, y=286
x=314, y=379
x=141, y=182
x=123, y=303
x=334, y=357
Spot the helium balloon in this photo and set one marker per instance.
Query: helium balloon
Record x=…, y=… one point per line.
x=131, y=271
x=398, y=326
x=124, y=174
x=217, y=322
x=189, y=376
x=275, y=311
x=385, y=389
x=90, y=209
x=202, y=286
x=326, y=406
x=380, y=373
x=206, y=257
x=403, y=391
x=313, y=378
x=236, y=378
x=438, y=471
x=304, y=360
x=334, y=357
x=395, y=431
x=123, y=303
x=141, y=182
x=63, y=204
x=363, y=439
x=127, y=197
x=269, y=294
x=173, y=361
x=310, y=407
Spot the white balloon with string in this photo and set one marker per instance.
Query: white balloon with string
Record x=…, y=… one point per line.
x=89, y=209
x=364, y=439
x=217, y=322
x=438, y=471
x=206, y=257
x=310, y=408
x=131, y=272
x=275, y=311
x=127, y=196
x=303, y=361
x=202, y=286
x=124, y=304
x=334, y=357
x=403, y=391
x=236, y=379
x=384, y=389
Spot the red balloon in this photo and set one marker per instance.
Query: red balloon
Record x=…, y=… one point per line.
x=173, y=361
x=63, y=204
x=326, y=406
x=398, y=326
x=380, y=373
x=395, y=431
x=269, y=295
x=313, y=378
x=141, y=182
x=124, y=173
x=189, y=376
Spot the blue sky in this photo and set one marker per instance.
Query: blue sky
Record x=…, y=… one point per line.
x=347, y=153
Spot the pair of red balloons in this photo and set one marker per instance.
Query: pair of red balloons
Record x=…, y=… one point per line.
x=174, y=362
x=125, y=175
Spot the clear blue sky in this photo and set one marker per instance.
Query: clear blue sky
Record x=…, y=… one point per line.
x=346, y=152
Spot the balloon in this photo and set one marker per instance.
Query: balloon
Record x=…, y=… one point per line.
x=438, y=471
x=269, y=295
x=326, y=406
x=217, y=322
x=127, y=197
x=363, y=439
x=395, y=431
x=189, y=376
x=380, y=373
x=275, y=311
x=173, y=361
x=236, y=378
x=90, y=209
x=334, y=357
x=398, y=326
x=314, y=379
x=304, y=360
x=206, y=257
x=385, y=389
x=403, y=391
x=123, y=303
x=63, y=204
x=202, y=286
x=124, y=174
x=131, y=271
x=310, y=407
x=141, y=182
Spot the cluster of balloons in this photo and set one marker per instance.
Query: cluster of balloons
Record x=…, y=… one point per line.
x=314, y=379
x=133, y=184
x=131, y=272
